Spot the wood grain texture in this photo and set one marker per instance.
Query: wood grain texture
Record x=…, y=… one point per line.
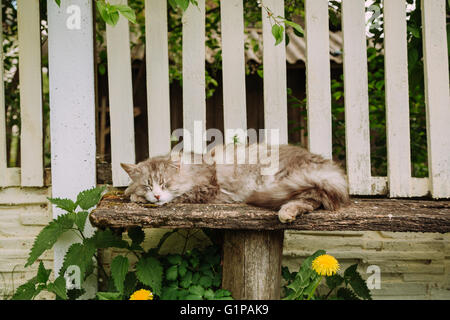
x=72, y=113
x=362, y=215
x=437, y=96
x=318, y=87
x=233, y=68
x=194, y=95
x=30, y=73
x=120, y=98
x=157, y=59
x=397, y=99
x=356, y=98
x=252, y=264
x=275, y=81
x=3, y=149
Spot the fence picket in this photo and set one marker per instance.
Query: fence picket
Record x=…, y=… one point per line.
x=120, y=98
x=194, y=95
x=158, y=98
x=233, y=66
x=356, y=97
x=31, y=142
x=274, y=60
x=437, y=96
x=397, y=101
x=3, y=150
x=318, y=88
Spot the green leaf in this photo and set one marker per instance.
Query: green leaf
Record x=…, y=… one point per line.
x=174, y=259
x=130, y=284
x=308, y=261
x=357, y=282
x=58, y=3
x=126, y=11
x=74, y=294
x=278, y=33
x=286, y=274
x=414, y=31
x=119, y=270
x=205, y=281
x=27, y=291
x=194, y=261
x=346, y=294
x=102, y=69
x=107, y=239
x=173, y=4
x=81, y=255
x=43, y=274
x=197, y=290
x=58, y=287
x=304, y=278
x=334, y=281
x=172, y=273
x=195, y=278
x=80, y=219
x=108, y=295
x=49, y=235
x=182, y=268
x=136, y=234
x=209, y=294
x=221, y=293
x=89, y=198
x=149, y=271
x=297, y=28
x=186, y=280
x=113, y=18
x=169, y=293
x=193, y=297
x=217, y=280
x=183, y=4
x=65, y=204
x=224, y=298
x=108, y=13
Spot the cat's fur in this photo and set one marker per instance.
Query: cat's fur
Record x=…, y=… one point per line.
x=302, y=182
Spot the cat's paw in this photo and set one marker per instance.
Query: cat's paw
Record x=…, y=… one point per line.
x=138, y=199
x=287, y=214
x=289, y=211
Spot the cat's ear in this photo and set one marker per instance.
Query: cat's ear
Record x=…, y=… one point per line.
x=132, y=170
x=176, y=163
x=175, y=160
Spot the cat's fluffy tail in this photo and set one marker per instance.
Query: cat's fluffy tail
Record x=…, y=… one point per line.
x=325, y=184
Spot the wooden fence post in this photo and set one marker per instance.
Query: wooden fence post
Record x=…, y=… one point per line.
x=72, y=109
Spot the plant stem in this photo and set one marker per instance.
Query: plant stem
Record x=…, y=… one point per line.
x=328, y=294
x=314, y=289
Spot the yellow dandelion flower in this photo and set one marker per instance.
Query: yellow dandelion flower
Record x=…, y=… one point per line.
x=142, y=295
x=325, y=265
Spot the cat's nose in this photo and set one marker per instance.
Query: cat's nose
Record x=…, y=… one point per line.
x=157, y=197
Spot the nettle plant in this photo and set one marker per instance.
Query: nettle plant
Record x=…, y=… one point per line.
x=302, y=285
x=192, y=275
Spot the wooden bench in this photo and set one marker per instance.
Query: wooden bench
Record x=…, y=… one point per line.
x=253, y=237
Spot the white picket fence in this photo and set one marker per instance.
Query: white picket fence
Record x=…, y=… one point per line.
x=31, y=172
x=398, y=182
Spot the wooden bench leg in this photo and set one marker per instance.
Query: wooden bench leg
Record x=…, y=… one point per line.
x=252, y=264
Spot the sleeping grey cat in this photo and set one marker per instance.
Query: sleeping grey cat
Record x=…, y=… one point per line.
x=302, y=182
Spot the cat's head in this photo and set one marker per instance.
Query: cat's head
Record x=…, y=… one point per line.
x=154, y=179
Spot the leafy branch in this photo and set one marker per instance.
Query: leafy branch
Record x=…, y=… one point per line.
x=277, y=24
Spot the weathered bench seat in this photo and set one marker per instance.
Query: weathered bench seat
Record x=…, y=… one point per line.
x=253, y=237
